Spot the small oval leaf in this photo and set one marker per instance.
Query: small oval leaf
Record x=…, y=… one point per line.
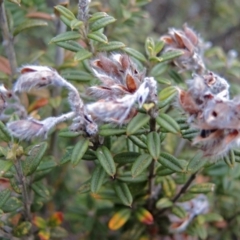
x=168, y=123
x=79, y=150
x=123, y=193
x=34, y=158
x=110, y=46
x=137, y=122
x=136, y=54
x=167, y=93
x=65, y=12
x=101, y=22
x=119, y=219
x=4, y=196
x=141, y=163
x=154, y=144
x=105, y=158
x=126, y=157
x=82, y=55
x=202, y=188
x=171, y=162
x=66, y=36
x=5, y=166
x=170, y=55
x=98, y=36
x=97, y=179
x=144, y=216
x=70, y=45
x=29, y=24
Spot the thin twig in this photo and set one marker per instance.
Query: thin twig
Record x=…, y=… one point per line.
x=7, y=39
x=59, y=59
x=179, y=194
x=151, y=177
x=185, y=187
x=23, y=185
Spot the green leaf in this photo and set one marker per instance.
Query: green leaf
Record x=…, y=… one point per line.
x=154, y=144
x=212, y=217
x=41, y=190
x=163, y=171
x=75, y=23
x=47, y=163
x=169, y=187
x=97, y=180
x=202, y=188
x=171, y=162
x=229, y=159
x=59, y=233
x=11, y=205
x=18, y=2
x=111, y=131
x=5, y=166
x=4, y=196
x=123, y=193
x=76, y=75
x=175, y=76
x=4, y=133
x=15, y=185
x=137, y=122
x=110, y=46
x=22, y=229
x=136, y=140
x=85, y=187
x=29, y=24
x=167, y=93
x=105, y=158
x=163, y=203
x=98, y=36
x=158, y=46
x=79, y=150
x=82, y=55
x=170, y=55
x=89, y=155
x=65, y=20
x=70, y=45
x=41, y=174
x=136, y=54
x=67, y=156
x=168, y=123
x=149, y=46
x=126, y=157
x=179, y=212
x=142, y=162
x=65, y=12
x=101, y=22
x=128, y=178
x=34, y=158
x=197, y=162
x=66, y=36
x=96, y=16
x=158, y=69
x=66, y=133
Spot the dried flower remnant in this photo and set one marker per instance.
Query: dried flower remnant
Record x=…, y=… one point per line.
x=4, y=95
x=190, y=43
x=194, y=207
x=40, y=76
x=122, y=86
x=31, y=128
x=83, y=8
x=212, y=112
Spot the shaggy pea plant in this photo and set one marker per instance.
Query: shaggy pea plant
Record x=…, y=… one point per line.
x=150, y=136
